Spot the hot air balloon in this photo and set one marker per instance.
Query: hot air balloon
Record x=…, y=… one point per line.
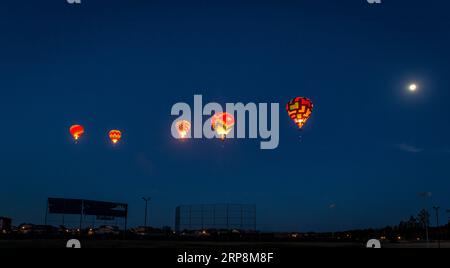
x=76, y=131
x=183, y=128
x=115, y=136
x=222, y=123
x=300, y=110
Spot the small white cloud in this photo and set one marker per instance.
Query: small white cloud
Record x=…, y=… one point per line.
x=409, y=148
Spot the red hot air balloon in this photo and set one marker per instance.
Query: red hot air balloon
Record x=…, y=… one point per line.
x=76, y=131
x=300, y=110
x=115, y=136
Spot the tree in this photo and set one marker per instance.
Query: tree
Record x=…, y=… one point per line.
x=424, y=218
x=412, y=223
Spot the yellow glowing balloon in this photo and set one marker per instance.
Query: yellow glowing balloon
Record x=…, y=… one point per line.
x=183, y=128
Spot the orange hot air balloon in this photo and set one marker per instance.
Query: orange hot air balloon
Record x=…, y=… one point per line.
x=222, y=123
x=300, y=110
x=115, y=136
x=183, y=128
x=76, y=131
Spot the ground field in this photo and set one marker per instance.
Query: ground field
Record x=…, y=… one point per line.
x=203, y=245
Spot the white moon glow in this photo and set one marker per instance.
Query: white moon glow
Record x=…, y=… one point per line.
x=412, y=87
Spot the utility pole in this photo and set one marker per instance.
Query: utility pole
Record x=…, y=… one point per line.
x=436, y=208
x=146, y=200
x=448, y=223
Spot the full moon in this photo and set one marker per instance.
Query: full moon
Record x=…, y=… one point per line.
x=412, y=87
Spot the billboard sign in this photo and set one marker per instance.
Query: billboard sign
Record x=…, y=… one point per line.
x=87, y=207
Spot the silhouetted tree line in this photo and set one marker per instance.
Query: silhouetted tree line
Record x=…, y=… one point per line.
x=416, y=228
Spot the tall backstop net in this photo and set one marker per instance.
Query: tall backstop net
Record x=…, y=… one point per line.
x=218, y=216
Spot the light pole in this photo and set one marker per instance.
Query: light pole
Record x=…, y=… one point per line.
x=332, y=208
x=448, y=222
x=436, y=208
x=146, y=200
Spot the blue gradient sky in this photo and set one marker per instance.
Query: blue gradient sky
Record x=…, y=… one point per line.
x=370, y=147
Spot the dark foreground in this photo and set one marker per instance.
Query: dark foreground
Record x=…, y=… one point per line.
x=44, y=243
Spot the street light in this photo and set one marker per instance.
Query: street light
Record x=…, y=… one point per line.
x=146, y=200
x=332, y=208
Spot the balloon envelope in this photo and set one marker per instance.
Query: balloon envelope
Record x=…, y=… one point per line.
x=115, y=136
x=183, y=128
x=77, y=131
x=300, y=110
x=222, y=123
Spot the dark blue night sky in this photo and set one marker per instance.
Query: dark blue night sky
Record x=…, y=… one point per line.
x=370, y=147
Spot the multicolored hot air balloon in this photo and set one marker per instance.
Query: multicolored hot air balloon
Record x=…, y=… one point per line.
x=183, y=128
x=300, y=110
x=222, y=123
x=76, y=131
x=115, y=136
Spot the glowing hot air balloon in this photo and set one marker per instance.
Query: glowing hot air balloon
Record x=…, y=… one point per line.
x=222, y=123
x=115, y=136
x=76, y=131
x=183, y=128
x=300, y=110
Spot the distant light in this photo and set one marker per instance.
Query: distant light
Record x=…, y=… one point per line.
x=413, y=87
